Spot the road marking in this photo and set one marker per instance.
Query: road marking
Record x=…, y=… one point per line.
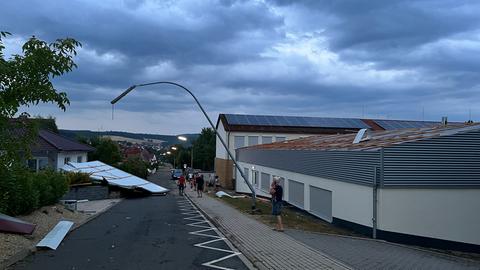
x=199, y=221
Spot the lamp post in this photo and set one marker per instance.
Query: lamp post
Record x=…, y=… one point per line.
x=183, y=138
x=209, y=121
x=174, y=156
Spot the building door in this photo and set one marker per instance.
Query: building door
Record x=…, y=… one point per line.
x=321, y=203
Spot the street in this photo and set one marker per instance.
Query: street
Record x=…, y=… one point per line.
x=153, y=232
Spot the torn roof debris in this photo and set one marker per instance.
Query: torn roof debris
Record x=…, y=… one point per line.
x=115, y=177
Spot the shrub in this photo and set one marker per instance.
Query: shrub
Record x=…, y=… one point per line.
x=75, y=178
x=135, y=166
x=22, y=191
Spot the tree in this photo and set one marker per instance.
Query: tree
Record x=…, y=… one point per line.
x=106, y=151
x=25, y=80
x=135, y=166
x=204, y=150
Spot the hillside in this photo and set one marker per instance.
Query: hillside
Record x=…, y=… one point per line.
x=169, y=139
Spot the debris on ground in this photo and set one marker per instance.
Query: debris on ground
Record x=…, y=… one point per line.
x=55, y=236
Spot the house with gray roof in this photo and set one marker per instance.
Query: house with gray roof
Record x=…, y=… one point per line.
x=53, y=150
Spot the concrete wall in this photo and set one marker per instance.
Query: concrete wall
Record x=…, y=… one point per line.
x=350, y=202
x=449, y=214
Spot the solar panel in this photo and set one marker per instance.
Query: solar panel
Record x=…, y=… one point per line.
x=401, y=124
x=294, y=121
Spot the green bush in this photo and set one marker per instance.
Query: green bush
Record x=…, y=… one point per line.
x=75, y=178
x=22, y=191
x=135, y=166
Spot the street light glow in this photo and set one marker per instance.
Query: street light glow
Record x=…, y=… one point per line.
x=174, y=148
x=168, y=153
x=182, y=138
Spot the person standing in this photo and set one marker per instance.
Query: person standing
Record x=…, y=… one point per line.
x=181, y=185
x=200, y=184
x=277, y=199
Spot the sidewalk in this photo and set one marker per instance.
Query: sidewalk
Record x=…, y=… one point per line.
x=265, y=248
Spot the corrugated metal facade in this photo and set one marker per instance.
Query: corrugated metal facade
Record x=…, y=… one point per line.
x=355, y=166
x=442, y=161
x=445, y=161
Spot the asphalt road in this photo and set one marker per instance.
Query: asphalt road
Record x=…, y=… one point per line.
x=138, y=233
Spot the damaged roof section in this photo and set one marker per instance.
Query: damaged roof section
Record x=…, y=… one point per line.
x=376, y=140
x=115, y=177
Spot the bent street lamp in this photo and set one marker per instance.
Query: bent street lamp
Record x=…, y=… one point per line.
x=209, y=121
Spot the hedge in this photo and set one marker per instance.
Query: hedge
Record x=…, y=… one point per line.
x=22, y=191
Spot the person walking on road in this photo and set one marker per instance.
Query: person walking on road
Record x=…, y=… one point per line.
x=181, y=185
x=277, y=199
x=200, y=184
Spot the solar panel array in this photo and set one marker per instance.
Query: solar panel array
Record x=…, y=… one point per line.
x=294, y=121
x=400, y=124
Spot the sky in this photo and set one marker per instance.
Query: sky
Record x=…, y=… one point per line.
x=363, y=59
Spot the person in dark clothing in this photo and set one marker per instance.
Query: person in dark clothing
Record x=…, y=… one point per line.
x=200, y=184
x=277, y=199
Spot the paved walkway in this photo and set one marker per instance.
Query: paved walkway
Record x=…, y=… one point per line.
x=265, y=248
x=294, y=249
x=372, y=254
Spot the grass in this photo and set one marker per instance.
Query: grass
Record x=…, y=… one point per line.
x=292, y=217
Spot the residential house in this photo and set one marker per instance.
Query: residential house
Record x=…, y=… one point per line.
x=53, y=150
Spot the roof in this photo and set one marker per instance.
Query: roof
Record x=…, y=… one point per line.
x=52, y=141
x=377, y=140
x=312, y=125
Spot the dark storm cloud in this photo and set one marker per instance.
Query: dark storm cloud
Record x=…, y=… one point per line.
x=312, y=57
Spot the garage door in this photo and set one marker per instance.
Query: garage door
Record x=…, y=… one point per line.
x=265, y=184
x=296, y=193
x=321, y=203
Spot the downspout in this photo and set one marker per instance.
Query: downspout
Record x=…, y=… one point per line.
x=377, y=181
x=374, y=203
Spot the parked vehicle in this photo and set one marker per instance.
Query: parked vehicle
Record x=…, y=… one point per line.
x=176, y=174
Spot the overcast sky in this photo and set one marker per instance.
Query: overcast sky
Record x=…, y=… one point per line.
x=376, y=58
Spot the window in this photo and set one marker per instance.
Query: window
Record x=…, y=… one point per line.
x=79, y=159
x=42, y=163
x=280, y=138
x=267, y=139
x=239, y=141
x=252, y=140
x=37, y=164
x=32, y=164
x=66, y=160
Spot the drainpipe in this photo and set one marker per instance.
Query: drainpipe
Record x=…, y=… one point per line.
x=375, y=201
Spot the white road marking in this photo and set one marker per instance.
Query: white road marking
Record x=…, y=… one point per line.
x=199, y=221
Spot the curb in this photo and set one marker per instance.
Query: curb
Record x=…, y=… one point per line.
x=246, y=261
x=22, y=254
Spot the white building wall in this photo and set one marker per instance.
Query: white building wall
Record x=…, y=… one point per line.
x=73, y=157
x=220, y=150
x=449, y=214
x=350, y=202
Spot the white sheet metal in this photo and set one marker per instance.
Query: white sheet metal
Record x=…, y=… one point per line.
x=55, y=236
x=116, y=177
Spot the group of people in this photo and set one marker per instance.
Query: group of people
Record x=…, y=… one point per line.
x=197, y=182
x=276, y=191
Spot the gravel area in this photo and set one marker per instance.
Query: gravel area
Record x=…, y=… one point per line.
x=46, y=218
